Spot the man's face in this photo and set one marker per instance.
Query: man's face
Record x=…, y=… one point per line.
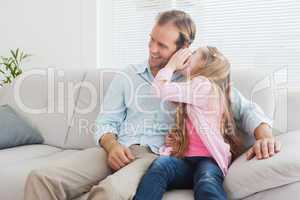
x=162, y=44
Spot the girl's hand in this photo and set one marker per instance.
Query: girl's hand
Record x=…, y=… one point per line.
x=178, y=60
x=172, y=140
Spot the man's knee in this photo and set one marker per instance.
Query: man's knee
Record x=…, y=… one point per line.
x=105, y=190
x=40, y=186
x=37, y=176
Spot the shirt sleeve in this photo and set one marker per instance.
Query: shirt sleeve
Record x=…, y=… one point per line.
x=196, y=91
x=248, y=114
x=112, y=111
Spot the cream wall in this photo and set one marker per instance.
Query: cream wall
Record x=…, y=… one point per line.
x=58, y=33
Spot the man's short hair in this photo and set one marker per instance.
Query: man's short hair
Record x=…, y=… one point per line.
x=183, y=22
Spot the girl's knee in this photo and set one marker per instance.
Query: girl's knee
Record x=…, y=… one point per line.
x=210, y=185
x=208, y=170
x=212, y=176
x=164, y=165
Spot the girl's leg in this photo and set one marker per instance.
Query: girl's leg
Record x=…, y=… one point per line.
x=208, y=181
x=165, y=172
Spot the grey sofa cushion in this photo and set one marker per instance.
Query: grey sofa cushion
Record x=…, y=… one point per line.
x=245, y=178
x=15, y=131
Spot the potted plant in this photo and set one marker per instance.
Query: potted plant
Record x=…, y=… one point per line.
x=10, y=67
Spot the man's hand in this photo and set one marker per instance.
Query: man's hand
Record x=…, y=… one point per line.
x=119, y=156
x=266, y=144
x=264, y=148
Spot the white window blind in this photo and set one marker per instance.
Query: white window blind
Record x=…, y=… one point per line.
x=258, y=33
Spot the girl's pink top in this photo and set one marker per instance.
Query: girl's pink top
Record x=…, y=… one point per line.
x=204, y=110
x=195, y=144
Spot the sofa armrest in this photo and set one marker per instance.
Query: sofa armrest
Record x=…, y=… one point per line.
x=245, y=178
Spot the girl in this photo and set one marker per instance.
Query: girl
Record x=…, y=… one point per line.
x=204, y=139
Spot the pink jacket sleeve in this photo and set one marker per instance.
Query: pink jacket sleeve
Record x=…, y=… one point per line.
x=196, y=91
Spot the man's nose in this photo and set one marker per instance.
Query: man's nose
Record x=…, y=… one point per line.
x=153, y=48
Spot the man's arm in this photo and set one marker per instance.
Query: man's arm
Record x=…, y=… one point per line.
x=254, y=122
x=112, y=114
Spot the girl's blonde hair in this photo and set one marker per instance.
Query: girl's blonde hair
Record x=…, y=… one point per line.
x=217, y=70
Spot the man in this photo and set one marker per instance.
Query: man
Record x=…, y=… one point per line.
x=133, y=124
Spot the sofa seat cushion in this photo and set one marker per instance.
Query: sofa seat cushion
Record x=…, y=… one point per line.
x=21, y=161
x=178, y=195
x=290, y=191
x=20, y=154
x=170, y=195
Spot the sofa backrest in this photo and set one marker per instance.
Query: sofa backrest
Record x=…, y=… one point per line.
x=293, y=109
x=73, y=127
x=256, y=84
x=45, y=98
x=92, y=92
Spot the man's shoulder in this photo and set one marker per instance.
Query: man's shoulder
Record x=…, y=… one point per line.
x=134, y=68
x=235, y=93
x=129, y=72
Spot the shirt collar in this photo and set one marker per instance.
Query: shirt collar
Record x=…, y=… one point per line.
x=141, y=68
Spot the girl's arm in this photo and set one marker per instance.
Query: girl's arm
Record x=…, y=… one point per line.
x=196, y=91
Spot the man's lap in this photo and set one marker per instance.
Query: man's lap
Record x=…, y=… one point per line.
x=72, y=176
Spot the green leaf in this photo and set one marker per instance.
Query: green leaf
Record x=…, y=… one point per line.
x=13, y=54
x=7, y=66
x=7, y=79
x=4, y=59
x=11, y=65
x=26, y=56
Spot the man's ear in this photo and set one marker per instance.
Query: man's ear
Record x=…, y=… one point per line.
x=186, y=46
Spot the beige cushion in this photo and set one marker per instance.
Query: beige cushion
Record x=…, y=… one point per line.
x=13, y=177
x=248, y=177
x=46, y=89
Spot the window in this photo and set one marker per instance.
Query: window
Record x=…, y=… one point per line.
x=262, y=33
x=129, y=25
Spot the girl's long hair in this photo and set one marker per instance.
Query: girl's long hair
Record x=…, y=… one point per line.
x=217, y=70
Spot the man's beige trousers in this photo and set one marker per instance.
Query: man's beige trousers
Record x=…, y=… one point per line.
x=87, y=171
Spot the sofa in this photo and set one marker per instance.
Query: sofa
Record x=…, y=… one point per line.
x=62, y=105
